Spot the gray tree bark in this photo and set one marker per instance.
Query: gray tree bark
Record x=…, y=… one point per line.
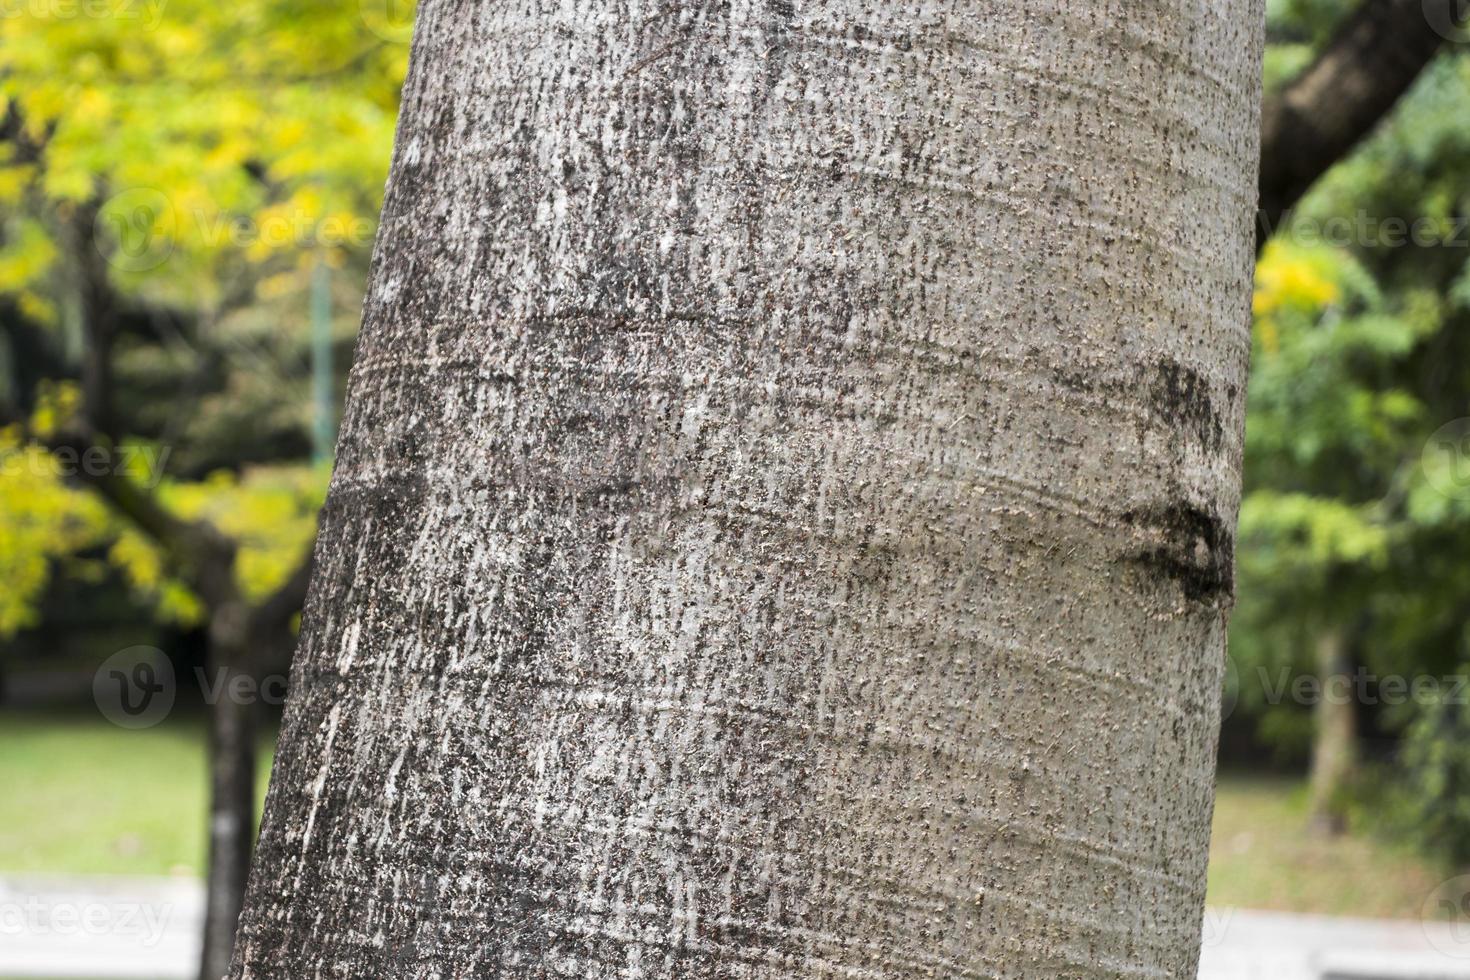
x=783, y=519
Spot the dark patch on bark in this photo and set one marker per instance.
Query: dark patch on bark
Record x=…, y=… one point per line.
x=1181, y=393
x=1189, y=546
x=781, y=15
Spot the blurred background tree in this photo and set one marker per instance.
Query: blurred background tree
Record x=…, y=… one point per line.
x=1354, y=554
x=173, y=180
x=188, y=195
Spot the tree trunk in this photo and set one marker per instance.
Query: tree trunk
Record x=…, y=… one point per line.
x=783, y=517
x=232, y=731
x=1335, y=746
x=98, y=316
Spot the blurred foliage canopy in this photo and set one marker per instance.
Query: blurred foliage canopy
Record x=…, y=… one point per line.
x=1357, y=512
x=211, y=156
x=207, y=135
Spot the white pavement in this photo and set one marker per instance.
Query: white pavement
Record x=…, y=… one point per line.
x=1243, y=945
x=100, y=928
x=148, y=929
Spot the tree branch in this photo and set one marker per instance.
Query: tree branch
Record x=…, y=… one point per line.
x=194, y=550
x=1328, y=109
x=99, y=308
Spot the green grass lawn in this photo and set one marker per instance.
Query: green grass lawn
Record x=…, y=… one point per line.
x=1265, y=856
x=81, y=796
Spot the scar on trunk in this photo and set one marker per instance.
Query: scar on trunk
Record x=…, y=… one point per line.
x=1187, y=545
x=1180, y=393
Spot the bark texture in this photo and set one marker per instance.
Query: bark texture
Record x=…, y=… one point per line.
x=783, y=516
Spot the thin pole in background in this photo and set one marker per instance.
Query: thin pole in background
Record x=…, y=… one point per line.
x=324, y=424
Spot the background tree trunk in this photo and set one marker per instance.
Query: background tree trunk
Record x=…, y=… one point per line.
x=232, y=734
x=783, y=519
x=1335, y=744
